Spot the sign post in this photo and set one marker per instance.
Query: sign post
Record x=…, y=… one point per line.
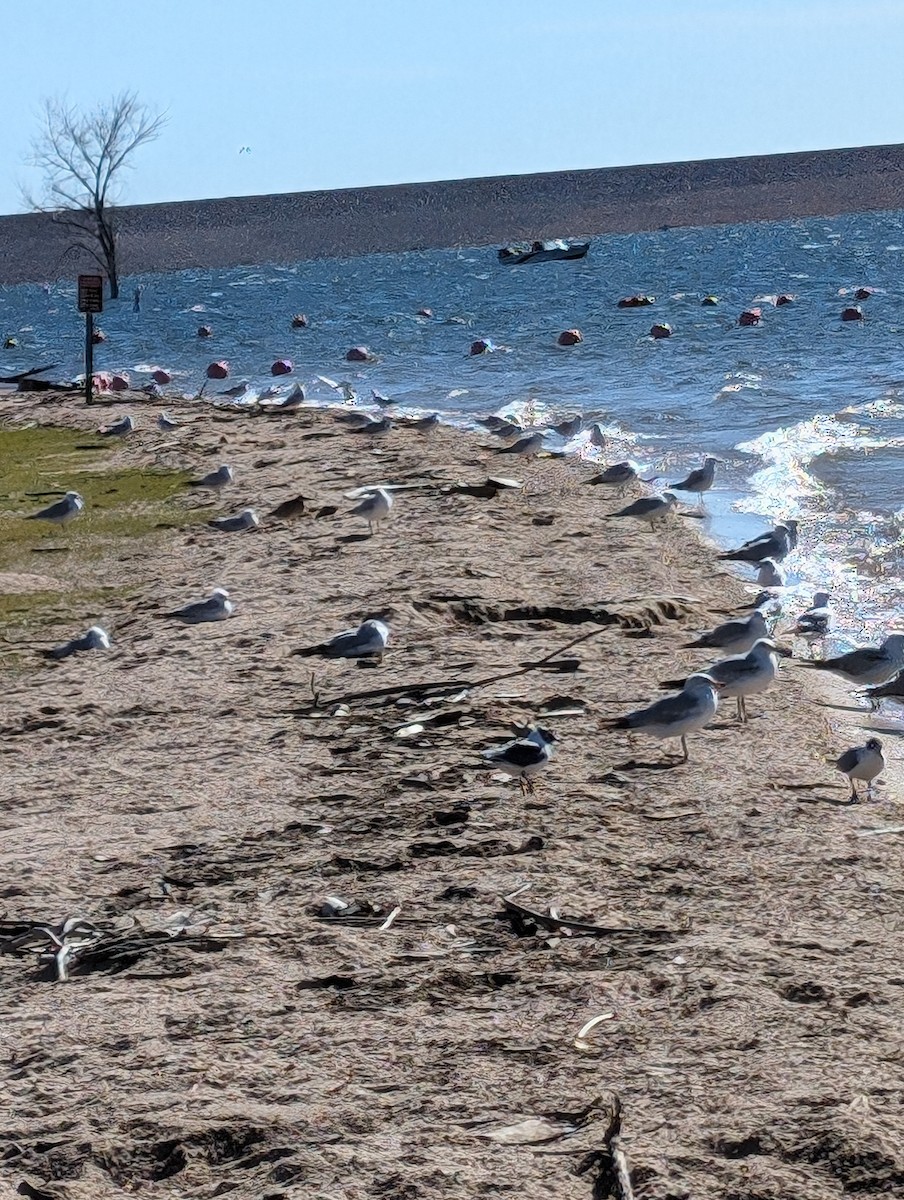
x=90, y=301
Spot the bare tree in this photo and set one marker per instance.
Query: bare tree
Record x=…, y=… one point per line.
x=82, y=156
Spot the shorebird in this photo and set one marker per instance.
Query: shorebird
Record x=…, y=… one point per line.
x=371, y=426
x=675, y=716
x=734, y=637
x=618, y=475
x=289, y=509
x=649, y=508
x=166, y=423
x=523, y=757
x=893, y=690
x=525, y=446
x=374, y=508
x=699, y=480
x=380, y=399
x=568, y=428
x=369, y=640
x=119, y=428
x=292, y=401
x=214, y=480
x=61, y=511
x=742, y=675
x=769, y=574
x=777, y=543
x=95, y=639
x=865, y=762
x=246, y=519
x=869, y=665
x=816, y=622
x=217, y=607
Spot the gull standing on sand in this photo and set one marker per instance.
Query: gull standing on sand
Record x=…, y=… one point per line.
x=246, y=519
x=217, y=607
x=893, y=690
x=675, y=716
x=699, y=480
x=742, y=675
x=369, y=640
x=769, y=574
x=523, y=757
x=374, y=508
x=214, y=480
x=814, y=624
x=734, y=637
x=95, y=639
x=619, y=475
x=865, y=762
x=868, y=665
x=119, y=428
x=290, y=509
x=776, y=543
x=649, y=508
x=525, y=446
x=166, y=423
x=60, y=512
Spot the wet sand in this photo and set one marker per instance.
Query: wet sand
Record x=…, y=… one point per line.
x=745, y=935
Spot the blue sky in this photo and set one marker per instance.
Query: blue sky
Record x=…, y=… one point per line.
x=344, y=93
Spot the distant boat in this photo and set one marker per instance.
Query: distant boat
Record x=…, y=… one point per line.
x=542, y=252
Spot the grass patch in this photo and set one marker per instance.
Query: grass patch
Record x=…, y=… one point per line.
x=122, y=505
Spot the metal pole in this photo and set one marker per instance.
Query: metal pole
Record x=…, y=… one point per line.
x=89, y=357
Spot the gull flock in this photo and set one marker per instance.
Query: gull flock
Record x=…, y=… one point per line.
x=747, y=649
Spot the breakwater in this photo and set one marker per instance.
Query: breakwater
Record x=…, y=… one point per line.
x=290, y=227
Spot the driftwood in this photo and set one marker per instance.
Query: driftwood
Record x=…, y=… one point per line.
x=524, y=917
x=613, y=1175
x=445, y=685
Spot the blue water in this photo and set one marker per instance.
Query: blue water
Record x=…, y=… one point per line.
x=805, y=409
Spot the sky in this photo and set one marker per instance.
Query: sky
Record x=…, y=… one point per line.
x=295, y=95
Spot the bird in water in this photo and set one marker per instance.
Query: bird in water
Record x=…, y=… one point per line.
x=776, y=543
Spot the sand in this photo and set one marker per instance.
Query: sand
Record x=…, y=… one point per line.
x=204, y=779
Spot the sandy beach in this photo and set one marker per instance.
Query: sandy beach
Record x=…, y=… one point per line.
x=200, y=792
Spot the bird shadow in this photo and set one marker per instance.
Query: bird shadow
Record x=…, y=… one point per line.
x=346, y=538
x=634, y=764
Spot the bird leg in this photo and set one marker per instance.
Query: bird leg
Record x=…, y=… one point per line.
x=855, y=799
x=684, y=748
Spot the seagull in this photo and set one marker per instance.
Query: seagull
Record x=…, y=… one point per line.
x=95, y=639
x=217, y=607
x=618, y=475
x=815, y=623
x=119, y=428
x=524, y=757
x=421, y=424
x=865, y=762
x=62, y=511
x=379, y=398
x=597, y=437
x=372, y=427
x=868, y=665
x=289, y=509
x=166, y=423
x=894, y=690
x=649, y=508
x=369, y=640
x=215, y=480
x=234, y=392
x=699, y=480
x=349, y=395
x=246, y=519
x=374, y=507
x=524, y=446
x=675, y=716
x=734, y=637
x=769, y=574
x=568, y=428
x=776, y=543
x=742, y=675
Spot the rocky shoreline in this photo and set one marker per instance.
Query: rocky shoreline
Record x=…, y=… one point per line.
x=204, y=796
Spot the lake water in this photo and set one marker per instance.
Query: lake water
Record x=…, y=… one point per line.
x=806, y=410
